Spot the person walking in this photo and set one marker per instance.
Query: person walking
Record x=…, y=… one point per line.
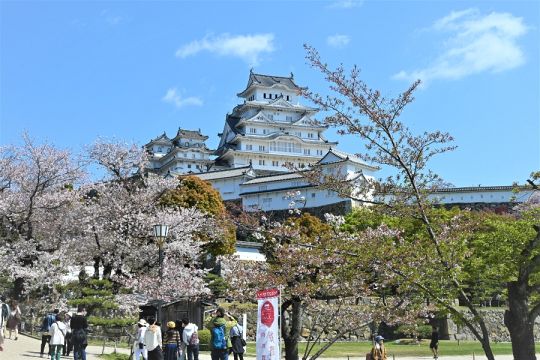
x=153, y=341
x=190, y=338
x=58, y=336
x=378, y=352
x=14, y=319
x=46, y=324
x=4, y=314
x=220, y=329
x=79, y=333
x=237, y=341
x=140, y=347
x=171, y=342
x=68, y=346
x=434, y=343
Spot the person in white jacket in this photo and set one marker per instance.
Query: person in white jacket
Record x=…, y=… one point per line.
x=140, y=347
x=58, y=332
x=190, y=337
x=153, y=341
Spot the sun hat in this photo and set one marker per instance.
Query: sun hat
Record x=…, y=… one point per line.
x=171, y=325
x=142, y=322
x=378, y=338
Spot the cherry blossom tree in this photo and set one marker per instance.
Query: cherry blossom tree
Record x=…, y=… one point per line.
x=120, y=212
x=37, y=217
x=310, y=261
x=430, y=261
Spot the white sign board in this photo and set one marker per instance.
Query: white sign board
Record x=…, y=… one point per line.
x=267, y=325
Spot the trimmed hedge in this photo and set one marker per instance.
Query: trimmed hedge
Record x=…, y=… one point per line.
x=204, y=339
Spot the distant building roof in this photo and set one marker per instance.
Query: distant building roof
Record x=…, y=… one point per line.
x=269, y=81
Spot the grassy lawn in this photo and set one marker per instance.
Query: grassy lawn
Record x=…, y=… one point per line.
x=356, y=349
x=114, y=357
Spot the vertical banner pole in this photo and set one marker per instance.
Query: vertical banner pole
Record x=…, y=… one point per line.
x=244, y=326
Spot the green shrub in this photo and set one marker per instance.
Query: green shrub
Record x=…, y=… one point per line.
x=204, y=339
x=414, y=331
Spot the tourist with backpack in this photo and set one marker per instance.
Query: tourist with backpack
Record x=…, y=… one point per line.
x=237, y=341
x=79, y=333
x=220, y=326
x=46, y=324
x=58, y=333
x=190, y=337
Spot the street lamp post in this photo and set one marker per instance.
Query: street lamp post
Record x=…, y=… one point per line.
x=160, y=234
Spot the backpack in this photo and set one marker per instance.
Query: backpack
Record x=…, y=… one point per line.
x=194, y=339
x=79, y=337
x=48, y=320
x=218, y=337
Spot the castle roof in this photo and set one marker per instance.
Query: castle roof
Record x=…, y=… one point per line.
x=335, y=156
x=227, y=173
x=269, y=81
x=190, y=134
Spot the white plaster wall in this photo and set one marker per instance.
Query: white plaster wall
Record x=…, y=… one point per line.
x=280, y=201
x=491, y=196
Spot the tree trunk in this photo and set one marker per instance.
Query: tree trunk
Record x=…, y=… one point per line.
x=107, y=272
x=97, y=261
x=18, y=289
x=291, y=327
x=516, y=319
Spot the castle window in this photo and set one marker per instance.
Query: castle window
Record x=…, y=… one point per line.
x=269, y=96
x=249, y=147
x=298, y=133
x=264, y=95
x=261, y=148
x=252, y=130
x=193, y=156
x=159, y=149
x=189, y=166
x=312, y=195
x=288, y=118
x=287, y=97
x=310, y=135
x=185, y=155
x=261, y=162
x=265, y=131
x=307, y=151
x=275, y=163
x=271, y=117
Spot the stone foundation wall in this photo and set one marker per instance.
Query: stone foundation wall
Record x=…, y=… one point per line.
x=495, y=324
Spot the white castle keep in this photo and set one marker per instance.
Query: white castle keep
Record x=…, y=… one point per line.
x=269, y=129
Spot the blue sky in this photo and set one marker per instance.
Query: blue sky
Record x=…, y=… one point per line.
x=73, y=71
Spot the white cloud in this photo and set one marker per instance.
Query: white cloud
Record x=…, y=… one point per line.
x=247, y=47
x=346, y=4
x=110, y=18
x=338, y=41
x=173, y=97
x=477, y=43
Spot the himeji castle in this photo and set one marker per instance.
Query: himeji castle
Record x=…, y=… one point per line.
x=271, y=128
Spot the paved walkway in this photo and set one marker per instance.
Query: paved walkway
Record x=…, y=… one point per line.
x=26, y=348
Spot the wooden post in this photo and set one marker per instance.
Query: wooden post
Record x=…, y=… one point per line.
x=473, y=358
